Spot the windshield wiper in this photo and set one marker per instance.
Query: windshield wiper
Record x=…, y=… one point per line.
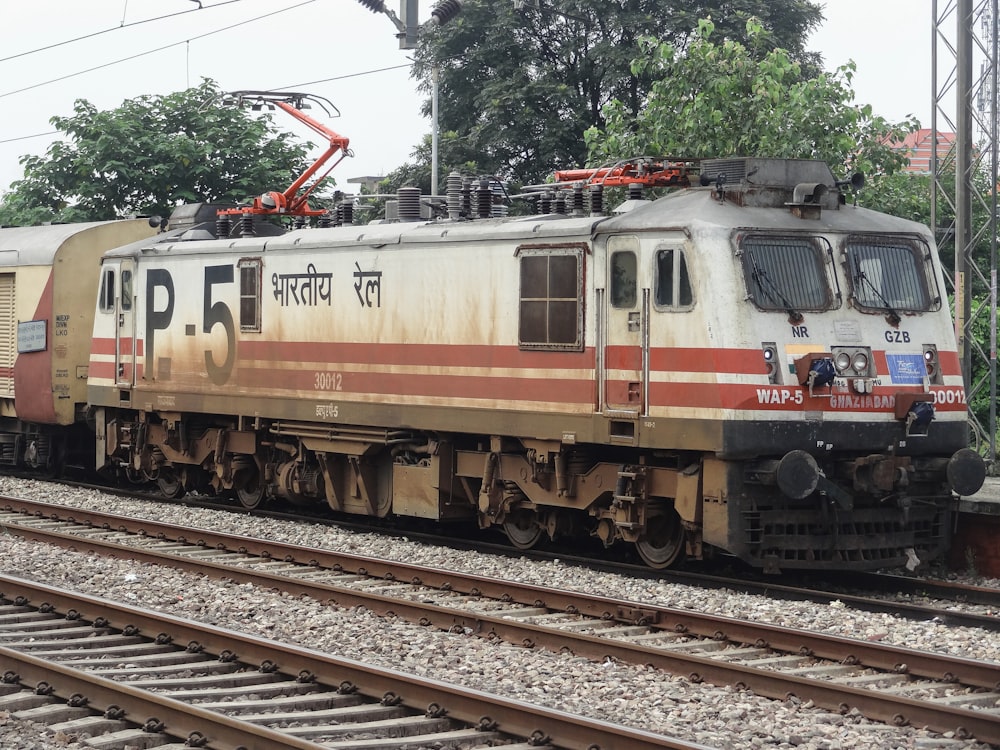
x=772, y=290
x=893, y=316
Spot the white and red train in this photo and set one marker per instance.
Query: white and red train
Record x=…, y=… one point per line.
x=748, y=365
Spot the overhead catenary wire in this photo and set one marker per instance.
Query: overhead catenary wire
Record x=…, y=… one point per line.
x=157, y=49
x=126, y=24
x=26, y=137
x=357, y=74
x=121, y=26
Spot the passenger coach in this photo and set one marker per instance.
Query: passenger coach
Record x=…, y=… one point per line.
x=48, y=283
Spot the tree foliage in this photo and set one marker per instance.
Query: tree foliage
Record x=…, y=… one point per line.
x=417, y=171
x=903, y=194
x=519, y=87
x=728, y=99
x=149, y=155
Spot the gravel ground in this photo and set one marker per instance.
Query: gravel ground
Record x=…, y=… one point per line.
x=634, y=696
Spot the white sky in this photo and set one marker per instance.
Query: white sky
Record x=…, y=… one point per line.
x=314, y=40
x=890, y=41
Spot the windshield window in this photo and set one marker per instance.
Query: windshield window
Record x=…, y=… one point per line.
x=889, y=274
x=785, y=273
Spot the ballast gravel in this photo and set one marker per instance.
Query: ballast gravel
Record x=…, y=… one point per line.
x=644, y=698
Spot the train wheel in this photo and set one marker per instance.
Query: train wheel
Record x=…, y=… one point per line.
x=521, y=527
x=252, y=494
x=662, y=544
x=170, y=484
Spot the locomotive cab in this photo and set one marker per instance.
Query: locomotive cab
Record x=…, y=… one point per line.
x=813, y=364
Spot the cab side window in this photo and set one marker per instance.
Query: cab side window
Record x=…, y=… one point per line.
x=107, y=298
x=623, y=271
x=126, y=289
x=673, y=284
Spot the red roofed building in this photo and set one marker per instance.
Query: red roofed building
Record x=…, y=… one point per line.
x=917, y=146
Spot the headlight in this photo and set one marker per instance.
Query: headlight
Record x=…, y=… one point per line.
x=843, y=361
x=860, y=362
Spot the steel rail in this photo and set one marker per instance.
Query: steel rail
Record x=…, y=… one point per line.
x=378, y=568
x=510, y=716
x=927, y=588
x=811, y=586
x=177, y=718
x=888, y=708
x=881, y=656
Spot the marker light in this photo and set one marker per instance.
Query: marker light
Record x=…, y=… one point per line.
x=931, y=364
x=770, y=353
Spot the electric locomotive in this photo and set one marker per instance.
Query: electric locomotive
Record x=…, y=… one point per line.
x=748, y=364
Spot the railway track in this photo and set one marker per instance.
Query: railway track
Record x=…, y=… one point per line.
x=909, y=588
x=886, y=683
x=84, y=665
x=912, y=597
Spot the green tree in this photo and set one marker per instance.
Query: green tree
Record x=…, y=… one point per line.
x=903, y=194
x=149, y=155
x=417, y=171
x=728, y=99
x=519, y=87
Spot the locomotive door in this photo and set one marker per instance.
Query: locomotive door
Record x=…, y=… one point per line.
x=125, y=359
x=627, y=330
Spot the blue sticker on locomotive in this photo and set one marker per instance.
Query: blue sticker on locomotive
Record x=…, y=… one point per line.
x=906, y=369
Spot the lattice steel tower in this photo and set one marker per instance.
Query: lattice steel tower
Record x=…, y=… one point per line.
x=964, y=192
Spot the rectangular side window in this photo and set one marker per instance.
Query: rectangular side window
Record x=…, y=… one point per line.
x=107, y=298
x=250, y=275
x=551, y=299
x=673, y=285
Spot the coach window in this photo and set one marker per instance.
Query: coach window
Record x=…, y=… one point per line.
x=551, y=299
x=107, y=298
x=624, y=271
x=250, y=274
x=673, y=285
